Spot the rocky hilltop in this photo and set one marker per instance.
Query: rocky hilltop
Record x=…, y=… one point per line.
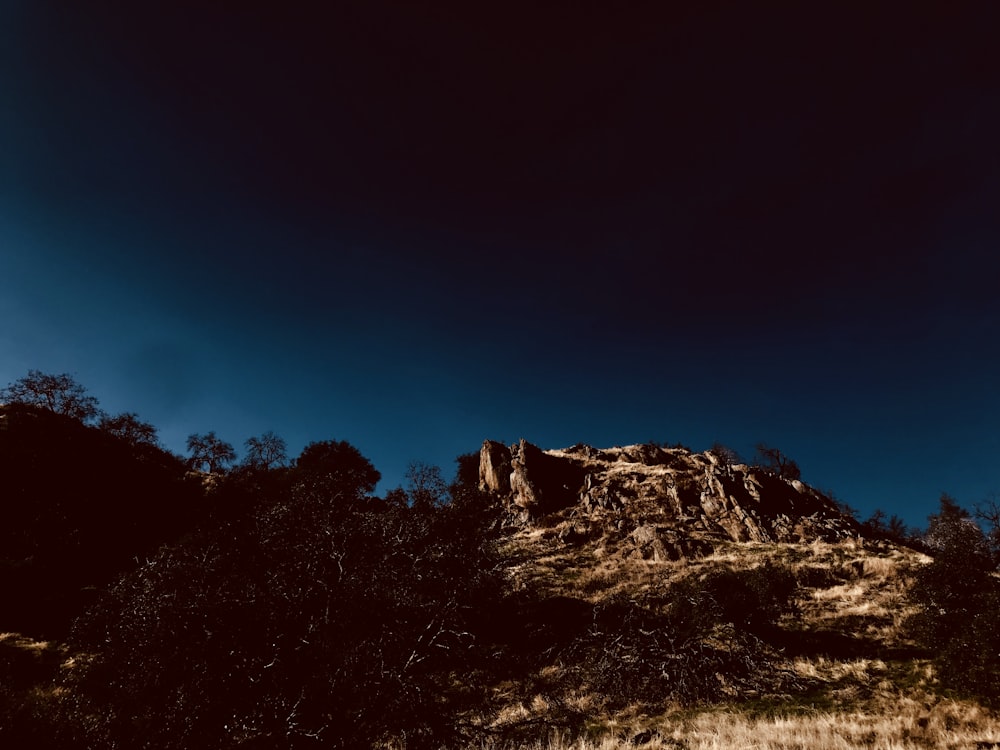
x=667, y=502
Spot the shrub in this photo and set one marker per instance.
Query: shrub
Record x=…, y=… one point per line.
x=754, y=600
x=309, y=623
x=959, y=604
x=700, y=640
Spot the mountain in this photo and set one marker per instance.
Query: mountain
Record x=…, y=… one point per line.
x=657, y=502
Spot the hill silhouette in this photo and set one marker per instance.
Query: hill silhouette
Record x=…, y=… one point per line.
x=80, y=507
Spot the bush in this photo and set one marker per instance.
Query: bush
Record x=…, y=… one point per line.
x=753, y=600
x=310, y=623
x=700, y=640
x=959, y=604
x=81, y=506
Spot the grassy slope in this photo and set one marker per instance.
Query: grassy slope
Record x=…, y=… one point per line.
x=862, y=682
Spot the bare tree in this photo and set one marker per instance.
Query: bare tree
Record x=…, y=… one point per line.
x=726, y=455
x=268, y=451
x=774, y=460
x=427, y=488
x=58, y=393
x=129, y=428
x=988, y=513
x=209, y=452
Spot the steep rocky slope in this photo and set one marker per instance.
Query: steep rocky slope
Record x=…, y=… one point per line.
x=664, y=502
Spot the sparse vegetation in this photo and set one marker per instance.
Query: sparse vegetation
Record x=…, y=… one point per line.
x=281, y=604
x=60, y=394
x=776, y=461
x=958, y=596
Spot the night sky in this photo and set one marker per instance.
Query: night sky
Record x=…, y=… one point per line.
x=416, y=226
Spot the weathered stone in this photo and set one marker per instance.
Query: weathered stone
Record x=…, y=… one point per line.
x=646, y=486
x=660, y=544
x=494, y=467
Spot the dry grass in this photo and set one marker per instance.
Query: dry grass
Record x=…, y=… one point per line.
x=883, y=700
x=910, y=726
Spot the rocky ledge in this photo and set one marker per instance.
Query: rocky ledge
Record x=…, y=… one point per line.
x=669, y=502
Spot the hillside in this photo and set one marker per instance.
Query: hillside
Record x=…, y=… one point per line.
x=646, y=530
x=80, y=506
x=665, y=499
x=547, y=599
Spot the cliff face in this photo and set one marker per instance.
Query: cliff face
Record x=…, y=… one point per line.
x=664, y=498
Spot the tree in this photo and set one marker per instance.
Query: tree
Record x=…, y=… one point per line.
x=129, y=428
x=265, y=452
x=774, y=460
x=58, y=393
x=875, y=524
x=880, y=525
x=896, y=528
x=209, y=452
x=952, y=533
x=726, y=455
x=988, y=512
x=958, y=601
x=427, y=487
x=337, y=469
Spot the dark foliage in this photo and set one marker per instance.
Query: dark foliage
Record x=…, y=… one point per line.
x=467, y=471
x=27, y=714
x=959, y=603
x=753, y=600
x=777, y=462
x=310, y=623
x=81, y=505
x=336, y=469
x=891, y=528
x=60, y=394
x=725, y=454
x=128, y=427
x=265, y=452
x=209, y=453
x=426, y=486
x=700, y=640
x=987, y=512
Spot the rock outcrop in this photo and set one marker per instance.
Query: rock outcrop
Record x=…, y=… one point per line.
x=536, y=482
x=667, y=502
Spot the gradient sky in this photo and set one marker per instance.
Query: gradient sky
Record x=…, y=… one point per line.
x=415, y=229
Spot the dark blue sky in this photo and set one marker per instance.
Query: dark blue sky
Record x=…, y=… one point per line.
x=416, y=228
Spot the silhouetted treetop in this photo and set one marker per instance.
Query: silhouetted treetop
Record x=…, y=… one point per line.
x=265, y=452
x=426, y=485
x=725, y=454
x=338, y=467
x=129, y=428
x=958, y=603
x=775, y=460
x=58, y=393
x=209, y=452
x=953, y=533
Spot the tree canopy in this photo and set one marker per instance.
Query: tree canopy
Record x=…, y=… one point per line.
x=58, y=393
x=209, y=452
x=129, y=428
x=958, y=601
x=776, y=461
x=336, y=468
x=265, y=452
